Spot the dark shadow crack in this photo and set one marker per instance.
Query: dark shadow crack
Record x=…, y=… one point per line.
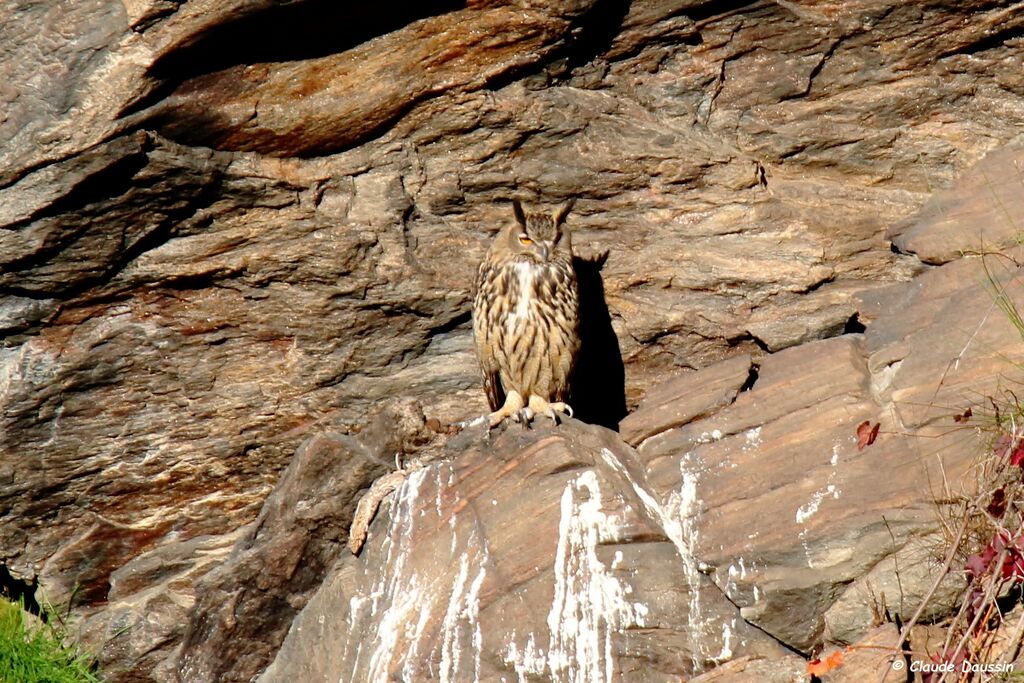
x=827, y=55
x=988, y=41
x=21, y=592
x=599, y=379
x=854, y=325
x=108, y=220
x=284, y=32
x=753, y=374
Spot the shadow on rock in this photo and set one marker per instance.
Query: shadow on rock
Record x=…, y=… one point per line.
x=599, y=381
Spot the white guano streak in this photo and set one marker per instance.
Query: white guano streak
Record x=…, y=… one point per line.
x=463, y=608
x=528, y=661
x=589, y=605
x=678, y=519
x=810, y=508
x=402, y=604
x=394, y=581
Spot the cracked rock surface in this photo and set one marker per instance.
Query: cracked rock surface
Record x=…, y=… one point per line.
x=228, y=229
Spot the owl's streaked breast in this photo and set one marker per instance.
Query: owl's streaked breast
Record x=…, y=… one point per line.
x=524, y=276
x=531, y=298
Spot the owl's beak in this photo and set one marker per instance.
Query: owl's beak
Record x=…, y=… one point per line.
x=544, y=253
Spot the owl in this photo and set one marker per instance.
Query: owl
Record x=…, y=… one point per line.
x=526, y=317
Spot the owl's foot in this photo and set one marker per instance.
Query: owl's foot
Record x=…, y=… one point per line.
x=517, y=409
x=513, y=406
x=539, y=406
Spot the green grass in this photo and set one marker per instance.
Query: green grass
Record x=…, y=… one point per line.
x=38, y=653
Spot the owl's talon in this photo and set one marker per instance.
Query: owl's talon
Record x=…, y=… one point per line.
x=541, y=407
x=513, y=406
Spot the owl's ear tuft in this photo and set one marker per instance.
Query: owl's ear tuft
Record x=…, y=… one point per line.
x=563, y=211
x=517, y=209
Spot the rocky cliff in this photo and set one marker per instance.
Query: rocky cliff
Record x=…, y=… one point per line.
x=236, y=242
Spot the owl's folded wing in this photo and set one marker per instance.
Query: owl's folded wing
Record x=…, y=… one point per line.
x=489, y=365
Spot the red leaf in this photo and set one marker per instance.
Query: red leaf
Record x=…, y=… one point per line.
x=975, y=566
x=997, y=506
x=1014, y=566
x=964, y=416
x=866, y=434
x=820, y=667
x=1017, y=456
x=979, y=563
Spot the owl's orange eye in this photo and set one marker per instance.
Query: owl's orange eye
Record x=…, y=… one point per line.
x=524, y=240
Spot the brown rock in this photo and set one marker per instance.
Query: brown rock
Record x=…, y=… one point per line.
x=953, y=347
x=536, y=554
x=686, y=398
x=146, y=612
x=987, y=196
x=244, y=606
x=318, y=106
x=764, y=481
x=871, y=659
x=748, y=669
x=896, y=584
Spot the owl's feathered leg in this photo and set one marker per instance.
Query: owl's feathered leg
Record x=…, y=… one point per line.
x=513, y=404
x=540, y=406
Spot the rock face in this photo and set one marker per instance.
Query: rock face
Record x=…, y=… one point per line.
x=228, y=229
x=461, y=581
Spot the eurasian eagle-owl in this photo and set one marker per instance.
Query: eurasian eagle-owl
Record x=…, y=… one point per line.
x=526, y=316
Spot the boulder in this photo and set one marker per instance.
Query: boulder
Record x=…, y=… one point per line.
x=538, y=553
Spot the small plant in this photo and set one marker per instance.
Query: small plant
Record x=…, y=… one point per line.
x=37, y=652
x=989, y=626
x=979, y=634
